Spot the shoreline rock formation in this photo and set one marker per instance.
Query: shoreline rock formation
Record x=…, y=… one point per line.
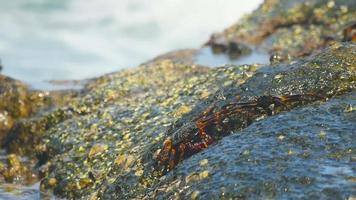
x=100, y=142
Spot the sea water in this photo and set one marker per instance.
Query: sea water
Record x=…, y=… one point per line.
x=43, y=40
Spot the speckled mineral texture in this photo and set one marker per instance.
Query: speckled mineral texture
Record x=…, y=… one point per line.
x=329, y=73
x=101, y=144
x=16, y=170
x=105, y=133
x=132, y=115
x=16, y=102
x=307, y=153
x=288, y=27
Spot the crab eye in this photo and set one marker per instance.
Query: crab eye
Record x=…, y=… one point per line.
x=271, y=106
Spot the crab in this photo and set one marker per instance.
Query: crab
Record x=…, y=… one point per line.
x=210, y=126
x=350, y=32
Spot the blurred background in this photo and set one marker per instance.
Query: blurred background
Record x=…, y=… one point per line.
x=75, y=39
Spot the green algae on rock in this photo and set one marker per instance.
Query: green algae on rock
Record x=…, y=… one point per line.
x=17, y=104
x=328, y=73
x=17, y=171
x=291, y=27
x=126, y=112
x=102, y=143
x=16, y=101
x=279, y=157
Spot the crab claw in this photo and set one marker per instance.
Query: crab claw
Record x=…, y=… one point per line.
x=308, y=97
x=164, y=155
x=172, y=157
x=182, y=149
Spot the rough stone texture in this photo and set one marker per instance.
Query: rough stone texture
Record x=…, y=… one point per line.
x=291, y=27
x=307, y=153
x=15, y=170
x=123, y=114
x=329, y=73
x=15, y=102
x=18, y=103
x=101, y=142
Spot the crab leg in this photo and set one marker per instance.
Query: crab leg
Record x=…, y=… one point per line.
x=205, y=124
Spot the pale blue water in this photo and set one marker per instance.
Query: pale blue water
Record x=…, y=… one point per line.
x=77, y=39
x=208, y=58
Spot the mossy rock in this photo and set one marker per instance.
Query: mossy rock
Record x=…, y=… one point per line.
x=295, y=28
x=102, y=143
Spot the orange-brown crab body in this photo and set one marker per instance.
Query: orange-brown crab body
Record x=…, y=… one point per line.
x=210, y=126
x=350, y=32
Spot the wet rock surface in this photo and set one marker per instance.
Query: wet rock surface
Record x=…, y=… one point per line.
x=306, y=153
x=16, y=102
x=290, y=27
x=107, y=132
x=306, y=76
x=19, y=103
x=101, y=142
x=184, y=56
x=14, y=169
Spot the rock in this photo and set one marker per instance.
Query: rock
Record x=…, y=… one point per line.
x=102, y=141
x=14, y=103
x=127, y=114
x=291, y=27
x=331, y=72
x=14, y=170
x=184, y=56
x=17, y=102
x=126, y=111
x=220, y=45
x=257, y=163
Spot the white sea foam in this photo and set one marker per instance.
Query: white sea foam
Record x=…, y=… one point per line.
x=75, y=39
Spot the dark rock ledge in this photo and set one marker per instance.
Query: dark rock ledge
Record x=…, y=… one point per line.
x=99, y=143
